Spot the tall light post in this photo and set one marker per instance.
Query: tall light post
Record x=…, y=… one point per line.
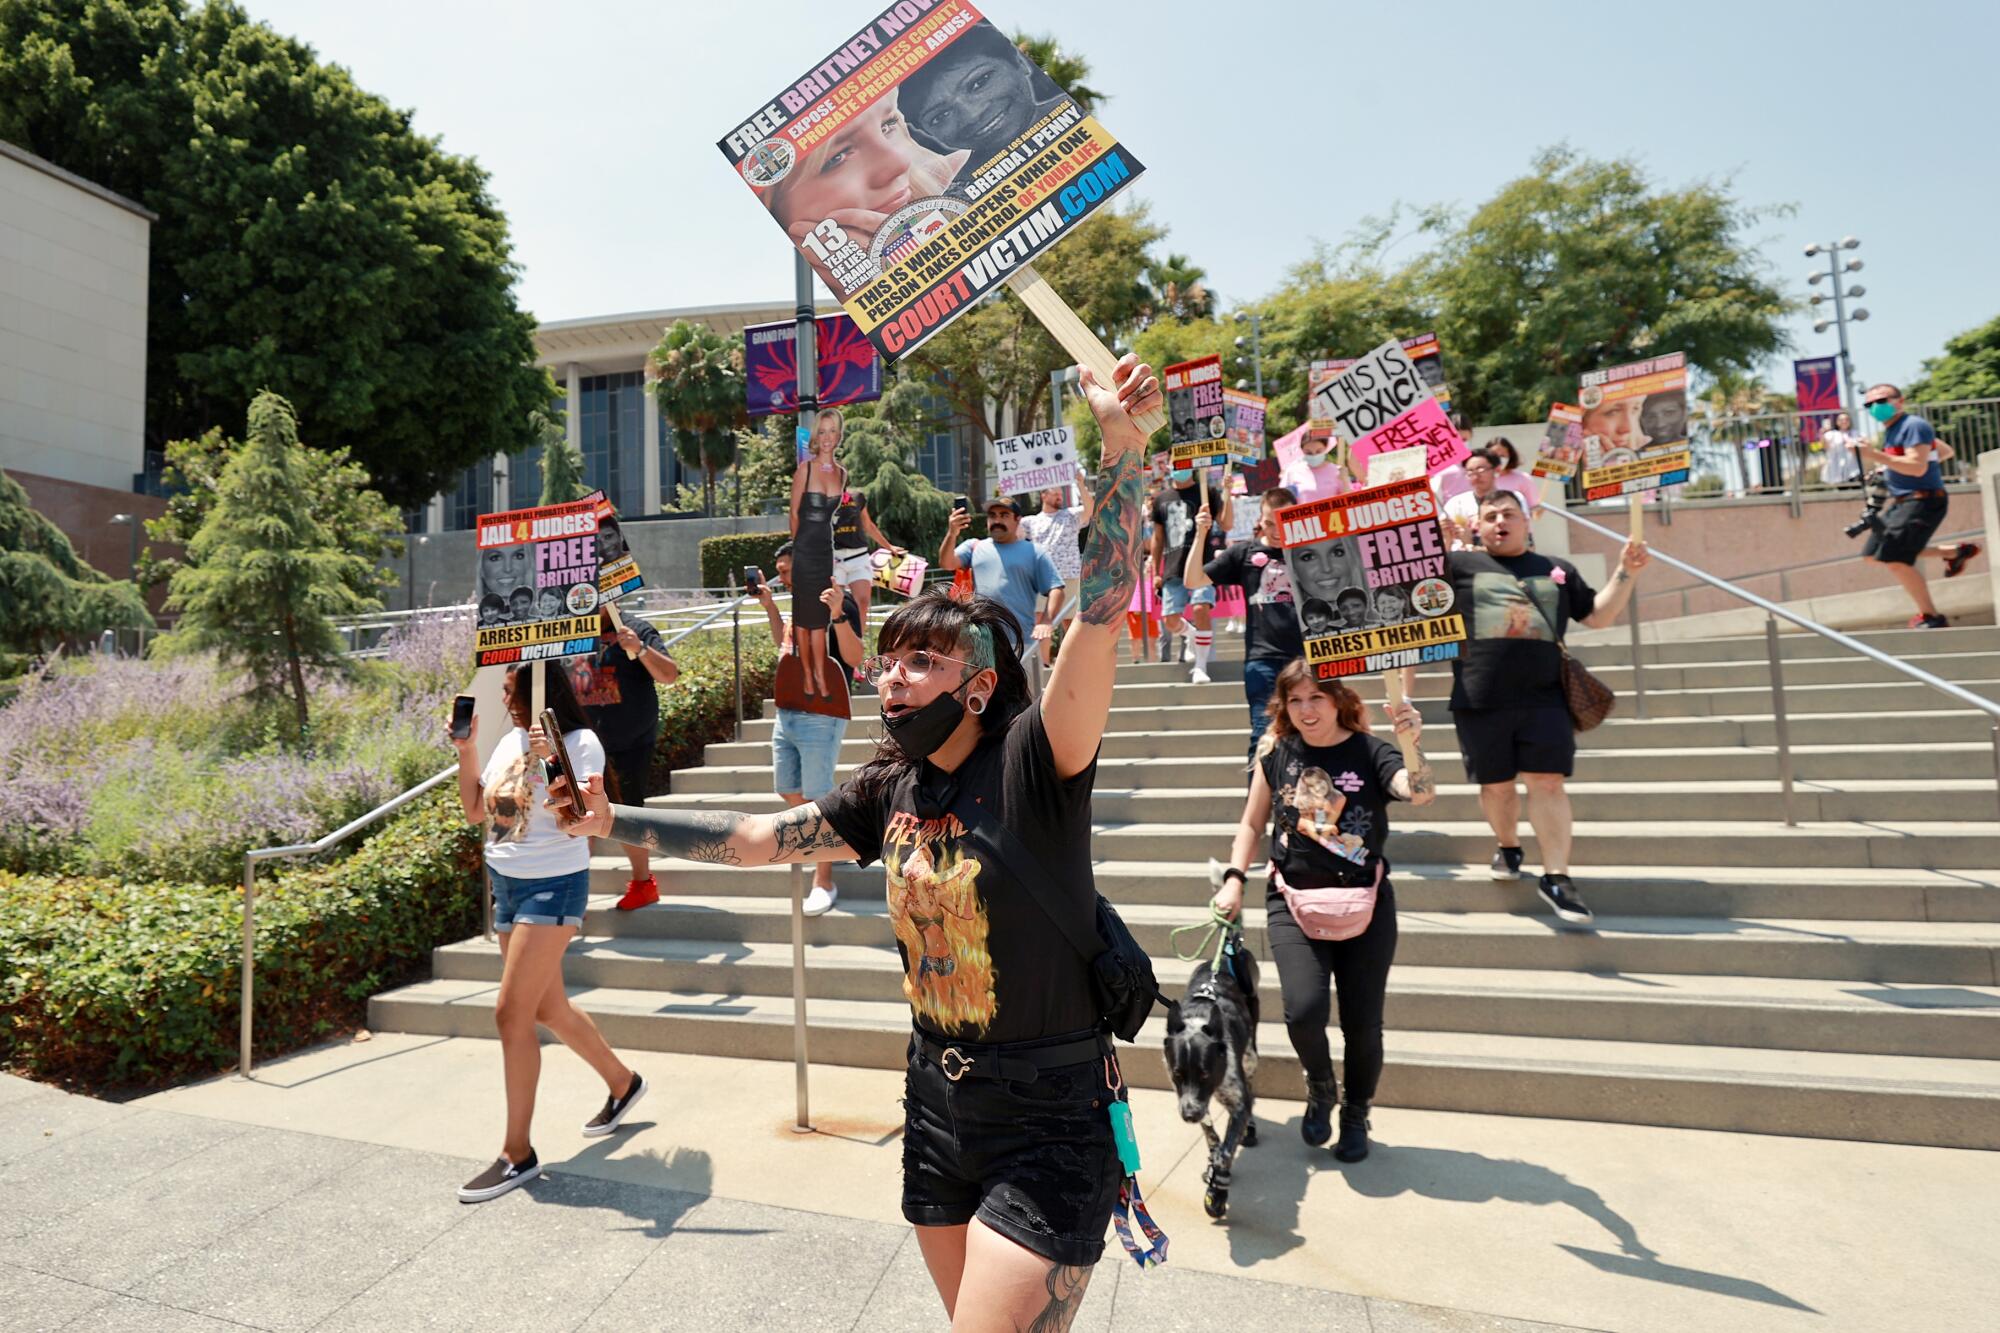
x=1834, y=268
x=1256, y=341
x=130, y=521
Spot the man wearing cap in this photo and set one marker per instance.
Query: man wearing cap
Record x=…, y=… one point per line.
x=1006, y=568
x=1917, y=502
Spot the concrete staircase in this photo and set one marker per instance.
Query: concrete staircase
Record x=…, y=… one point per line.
x=1836, y=979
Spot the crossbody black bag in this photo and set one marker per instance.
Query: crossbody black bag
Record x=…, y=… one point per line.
x=1121, y=975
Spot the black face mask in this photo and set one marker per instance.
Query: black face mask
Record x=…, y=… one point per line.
x=919, y=732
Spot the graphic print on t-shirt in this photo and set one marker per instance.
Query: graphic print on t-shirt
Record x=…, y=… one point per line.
x=594, y=682
x=1315, y=805
x=1275, y=584
x=939, y=920
x=1501, y=611
x=510, y=802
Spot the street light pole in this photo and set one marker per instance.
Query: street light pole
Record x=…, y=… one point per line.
x=1256, y=323
x=1834, y=268
x=130, y=521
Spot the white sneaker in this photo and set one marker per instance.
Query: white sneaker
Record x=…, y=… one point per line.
x=819, y=901
x=1187, y=649
x=1198, y=677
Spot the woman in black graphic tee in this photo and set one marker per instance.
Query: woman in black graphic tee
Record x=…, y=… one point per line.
x=1329, y=784
x=978, y=806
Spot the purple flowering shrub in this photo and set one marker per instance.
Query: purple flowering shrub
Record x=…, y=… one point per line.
x=137, y=769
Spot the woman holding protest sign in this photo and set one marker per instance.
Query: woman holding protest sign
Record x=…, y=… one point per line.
x=540, y=884
x=1509, y=475
x=1256, y=569
x=1329, y=909
x=1011, y=1165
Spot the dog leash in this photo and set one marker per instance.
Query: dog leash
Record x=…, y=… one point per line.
x=1131, y=1205
x=1217, y=928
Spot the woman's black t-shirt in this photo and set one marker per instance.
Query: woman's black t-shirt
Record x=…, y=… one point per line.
x=1273, y=620
x=847, y=534
x=981, y=959
x=1330, y=809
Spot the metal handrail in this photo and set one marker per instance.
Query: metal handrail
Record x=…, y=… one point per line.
x=1773, y=613
x=1782, y=570
x=252, y=858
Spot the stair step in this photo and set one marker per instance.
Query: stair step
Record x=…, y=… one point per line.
x=1827, y=893
x=1883, y=1098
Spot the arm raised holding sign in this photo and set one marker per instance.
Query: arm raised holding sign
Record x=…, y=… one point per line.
x=1077, y=701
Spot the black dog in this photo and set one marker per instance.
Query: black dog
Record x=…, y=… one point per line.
x=1212, y=1054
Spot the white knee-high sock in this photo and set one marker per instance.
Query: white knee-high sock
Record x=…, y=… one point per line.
x=1204, y=648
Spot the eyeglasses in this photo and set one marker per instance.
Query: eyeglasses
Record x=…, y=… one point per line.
x=915, y=668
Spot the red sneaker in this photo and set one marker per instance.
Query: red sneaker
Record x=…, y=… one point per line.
x=639, y=893
x=1955, y=566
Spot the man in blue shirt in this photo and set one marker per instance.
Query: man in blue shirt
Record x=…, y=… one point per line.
x=1910, y=452
x=1007, y=568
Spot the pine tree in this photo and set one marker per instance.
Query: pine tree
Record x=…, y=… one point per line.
x=562, y=462
x=265, y=570
x=47, y=594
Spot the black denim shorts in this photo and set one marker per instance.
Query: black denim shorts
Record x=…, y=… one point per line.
x=1034, y=1161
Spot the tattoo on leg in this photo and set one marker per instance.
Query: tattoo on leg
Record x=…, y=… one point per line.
x=1065, y=1283
x=696, y=835
x=800, y=831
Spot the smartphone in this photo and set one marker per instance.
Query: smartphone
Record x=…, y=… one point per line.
x=961, y=503
x=461, y=716
x=753, y=580
x=559, y=767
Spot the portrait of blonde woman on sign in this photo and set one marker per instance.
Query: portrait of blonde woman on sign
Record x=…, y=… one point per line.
x=846, y=188
x=1616, y=425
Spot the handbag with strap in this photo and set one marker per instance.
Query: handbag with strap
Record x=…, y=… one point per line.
x=1588, y=699
x=1121, y=975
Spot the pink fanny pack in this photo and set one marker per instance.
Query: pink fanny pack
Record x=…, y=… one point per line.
x=1331, y=914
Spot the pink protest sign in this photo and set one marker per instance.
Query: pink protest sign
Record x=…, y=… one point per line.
x=1426, y=425
x=1289, y=448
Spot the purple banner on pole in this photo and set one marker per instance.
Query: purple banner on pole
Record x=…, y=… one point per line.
x=1818, y=381
x=849, y=370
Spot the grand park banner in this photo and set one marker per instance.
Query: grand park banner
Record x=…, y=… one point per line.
x=1634, y=426
x=1243, y=416
x=849, y=370
x=537, y=588
x=921, y=163
x=1382, y=403
x=1035, y=461
x=1817, y=380
x=1562, y=447
x=1368, y=580
x=1197, y=430
x=617, y=568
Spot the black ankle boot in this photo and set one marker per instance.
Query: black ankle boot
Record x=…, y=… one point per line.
x=1353, y=1145
x=1322, y=1095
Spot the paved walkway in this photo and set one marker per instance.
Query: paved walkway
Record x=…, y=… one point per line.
x=320, y=1196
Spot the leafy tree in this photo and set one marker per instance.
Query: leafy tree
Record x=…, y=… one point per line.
x=1069, y=71
x=879, y=448
x=267, y=569
x=1969, y=368
x=1585, y=263
x=47, y=594
x=309, y=240
x=700, y=384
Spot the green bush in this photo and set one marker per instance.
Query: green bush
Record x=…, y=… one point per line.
x=699, y=709
x=106, y=984
x=726, y=555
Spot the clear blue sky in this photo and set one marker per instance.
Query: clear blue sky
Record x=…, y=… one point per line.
x=598, y=118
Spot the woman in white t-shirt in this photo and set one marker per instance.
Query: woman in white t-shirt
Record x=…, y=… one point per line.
x=1842, y=466
x=540, y=883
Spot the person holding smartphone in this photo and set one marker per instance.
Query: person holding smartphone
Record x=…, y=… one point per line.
x=540, y=881
x=618, y=687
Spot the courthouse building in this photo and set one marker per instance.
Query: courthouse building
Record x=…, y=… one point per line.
x=73, y=260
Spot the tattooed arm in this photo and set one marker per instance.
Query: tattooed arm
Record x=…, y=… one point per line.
x=1077, y=701
x=719, y=837
x=1415, y=783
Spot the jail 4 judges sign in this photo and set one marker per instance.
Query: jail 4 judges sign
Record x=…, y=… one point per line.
x=537, y=586
x=1368, y=580
x=924, y=161
x=1197, y=430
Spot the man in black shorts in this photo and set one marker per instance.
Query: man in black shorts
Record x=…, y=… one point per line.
x=1506, y=687
x=1910, y=454
x=616, y=686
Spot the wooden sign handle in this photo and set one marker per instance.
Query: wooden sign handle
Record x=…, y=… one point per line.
x=617, y=621
x=1392, y=687
x=1074, y=336
x=1638, y=532
x=539, y=691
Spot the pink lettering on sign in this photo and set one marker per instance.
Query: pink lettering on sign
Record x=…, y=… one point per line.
x=1425, y=424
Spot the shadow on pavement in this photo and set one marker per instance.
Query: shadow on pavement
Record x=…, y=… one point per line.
x=581, y=1182
x=1268, y=1186
x=1469, y=1177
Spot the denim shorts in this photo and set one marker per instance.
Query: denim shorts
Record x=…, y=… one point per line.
x=804, y=749
x=1178, y=599
x=555, y=901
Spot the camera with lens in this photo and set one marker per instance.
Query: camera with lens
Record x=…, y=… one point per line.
x=1874, y=497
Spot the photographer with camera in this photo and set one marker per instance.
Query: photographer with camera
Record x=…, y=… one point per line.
x=1914, y=505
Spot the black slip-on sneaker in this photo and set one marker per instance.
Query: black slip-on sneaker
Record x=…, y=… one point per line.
x=1564, y=900
x=498, y=1178
x=615, y=1108
x=1506, y=863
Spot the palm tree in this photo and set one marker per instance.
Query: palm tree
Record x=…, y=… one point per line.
x=1069, y=71
x=1172, y=288
x=698, y=378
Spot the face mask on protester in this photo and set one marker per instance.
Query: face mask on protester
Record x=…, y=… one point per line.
x=920, y=731
x=1182, y=476
x=1884, y=411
